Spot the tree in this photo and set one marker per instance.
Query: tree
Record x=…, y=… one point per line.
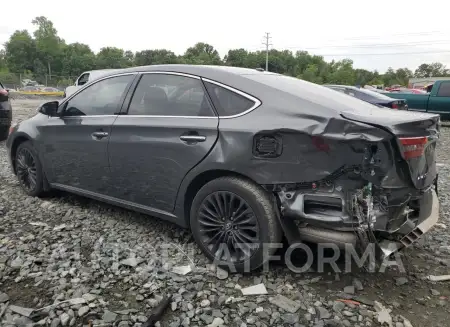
x=44, y=53
x=111, y=57
x=20, y=51
x=435, y=69
x=48, y=45
x=202, y=54
x=77, y=58
x=155, y=57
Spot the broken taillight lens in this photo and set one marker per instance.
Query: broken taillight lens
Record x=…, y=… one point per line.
x=413, y=147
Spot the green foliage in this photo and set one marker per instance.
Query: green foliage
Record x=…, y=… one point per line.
x=44, y=55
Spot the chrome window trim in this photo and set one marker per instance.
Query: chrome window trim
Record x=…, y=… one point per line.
x=256, y=101
x=87, y=116
x=170, y=73
x=161, y=116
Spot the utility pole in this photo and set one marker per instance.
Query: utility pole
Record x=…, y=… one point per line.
x=267, y=44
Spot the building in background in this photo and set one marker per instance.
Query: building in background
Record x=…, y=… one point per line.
x=424, y=81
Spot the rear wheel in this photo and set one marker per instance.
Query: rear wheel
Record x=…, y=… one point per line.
x=234, y=222
x=4, y=132
x=29, y=169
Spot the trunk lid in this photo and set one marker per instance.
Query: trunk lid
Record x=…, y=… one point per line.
x=416, y=136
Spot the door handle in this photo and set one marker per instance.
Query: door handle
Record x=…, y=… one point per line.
x=193, y=138
x=99, y=135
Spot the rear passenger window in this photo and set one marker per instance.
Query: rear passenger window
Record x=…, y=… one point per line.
x=444, y=90
x=169, y=95
x=228, y=103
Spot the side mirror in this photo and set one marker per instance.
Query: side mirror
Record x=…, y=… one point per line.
x=49, y=108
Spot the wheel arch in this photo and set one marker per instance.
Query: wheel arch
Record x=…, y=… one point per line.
x=197, y=183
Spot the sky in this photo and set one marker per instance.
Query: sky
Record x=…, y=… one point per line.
x=374, y=34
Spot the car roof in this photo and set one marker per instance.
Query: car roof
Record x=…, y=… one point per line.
x=206, y=71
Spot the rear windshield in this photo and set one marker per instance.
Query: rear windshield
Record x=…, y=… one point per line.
x=374, y=95
x=312, y=92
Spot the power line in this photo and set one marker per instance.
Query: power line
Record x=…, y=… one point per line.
x=266, y=43
x=368, y=45
x=383, y=36
x=379, y=54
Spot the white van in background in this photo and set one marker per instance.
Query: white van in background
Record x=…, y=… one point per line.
x=85, y=78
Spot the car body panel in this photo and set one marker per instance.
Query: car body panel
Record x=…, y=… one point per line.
x=325, y=144
x=74, y=157
x=147, y=155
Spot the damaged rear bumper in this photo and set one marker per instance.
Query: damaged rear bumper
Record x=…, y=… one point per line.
x=300, y=226
x=429, y=216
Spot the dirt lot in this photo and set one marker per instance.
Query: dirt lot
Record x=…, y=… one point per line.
x=111, y=260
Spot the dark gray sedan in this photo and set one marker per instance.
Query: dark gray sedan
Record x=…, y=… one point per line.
x=241, y=157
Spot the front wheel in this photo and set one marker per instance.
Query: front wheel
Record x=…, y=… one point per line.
x=29, y=169
x=234, y=222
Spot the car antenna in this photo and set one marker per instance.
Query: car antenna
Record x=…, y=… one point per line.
x=260, y=69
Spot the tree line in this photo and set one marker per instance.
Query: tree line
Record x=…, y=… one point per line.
x=44, y=53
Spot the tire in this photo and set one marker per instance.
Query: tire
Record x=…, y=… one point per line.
x=4, y=131
x=267, y=229
x=26, y=154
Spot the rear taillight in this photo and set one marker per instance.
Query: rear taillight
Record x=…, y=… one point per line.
x=394, y=105
x=413, y=147
x=3, y=92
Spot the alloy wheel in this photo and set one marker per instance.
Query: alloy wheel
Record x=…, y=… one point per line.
x=26, y=169
x=228, y=226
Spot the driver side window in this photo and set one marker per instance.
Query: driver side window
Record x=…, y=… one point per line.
x=99, y=99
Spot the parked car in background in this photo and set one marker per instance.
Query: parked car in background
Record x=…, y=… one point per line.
x=407, y=91
x=5, y=113
x=370, y=96
x=437, y=101
x=30, y=89
x=239, y=156
x=85, y=78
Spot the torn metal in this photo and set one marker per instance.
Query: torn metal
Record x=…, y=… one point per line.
x=368, y=181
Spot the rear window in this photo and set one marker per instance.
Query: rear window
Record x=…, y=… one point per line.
x=444, y=90
x=372, y=95
x=227, y=102
x=311, y=92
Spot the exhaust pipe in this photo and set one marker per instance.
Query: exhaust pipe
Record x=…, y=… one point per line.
x=322, y=235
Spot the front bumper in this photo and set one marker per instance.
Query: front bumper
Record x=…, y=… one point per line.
x=429, y=216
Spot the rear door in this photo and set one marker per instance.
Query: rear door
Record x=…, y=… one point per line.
x=168, y=129
x=440, y=102
x=74, y=146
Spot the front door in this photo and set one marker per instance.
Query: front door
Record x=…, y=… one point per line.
x=75, y=144
x=169, y=128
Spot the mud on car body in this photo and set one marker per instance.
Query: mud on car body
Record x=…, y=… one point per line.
x=239, y=156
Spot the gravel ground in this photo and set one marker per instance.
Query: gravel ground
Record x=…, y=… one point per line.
x=114, y=266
